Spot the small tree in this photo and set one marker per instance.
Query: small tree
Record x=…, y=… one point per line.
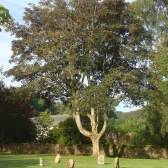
x=44, y=125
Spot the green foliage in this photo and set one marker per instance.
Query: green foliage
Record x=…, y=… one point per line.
x=72, y=54
x=15, y=125
x=138, y=114
x=58, y=108
x=127, y=128
x=155, y=17
x=160, y=66
x=157, y=120
x=67, y=133
x=44, y=123
x=146, y=126
x=38, y=104
x=154, y=14
x=4, y=15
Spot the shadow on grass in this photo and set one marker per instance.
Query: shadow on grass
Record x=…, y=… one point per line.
x=107, y=163
x=111, y=163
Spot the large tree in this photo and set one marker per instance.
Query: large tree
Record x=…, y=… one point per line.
x=86, y=53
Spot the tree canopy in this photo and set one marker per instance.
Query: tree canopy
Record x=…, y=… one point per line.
x=154, y=14
x=4, y=15
x=85, y=53
x=15, y=112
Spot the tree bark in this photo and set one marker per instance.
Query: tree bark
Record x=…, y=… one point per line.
x=94, y=135
x=95, y=144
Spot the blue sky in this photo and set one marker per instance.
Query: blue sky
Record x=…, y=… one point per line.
x=16, y=9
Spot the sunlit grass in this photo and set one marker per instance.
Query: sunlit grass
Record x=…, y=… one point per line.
x=32, y=161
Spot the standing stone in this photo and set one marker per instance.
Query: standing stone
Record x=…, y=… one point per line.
x=101, y=159
x=70, y=164
x=58, y=159
x=116, y=162
x=41, y=161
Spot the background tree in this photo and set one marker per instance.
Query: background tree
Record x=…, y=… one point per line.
x=4, y=15
x=127, y=128
x=154, y=14
x=40, y=105
x=137, y=128
x=58, y=108
x=84, y=53
x=15, y=125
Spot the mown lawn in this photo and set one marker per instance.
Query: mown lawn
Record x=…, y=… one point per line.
x=32, y=161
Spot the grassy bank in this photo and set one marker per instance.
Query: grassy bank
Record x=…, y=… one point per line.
x=32, y=161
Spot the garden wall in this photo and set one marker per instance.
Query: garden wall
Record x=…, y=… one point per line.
x=155, y=152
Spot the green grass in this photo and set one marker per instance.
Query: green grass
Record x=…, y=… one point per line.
x=32, y=161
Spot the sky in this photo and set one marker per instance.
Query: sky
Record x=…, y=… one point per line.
x=16, y=9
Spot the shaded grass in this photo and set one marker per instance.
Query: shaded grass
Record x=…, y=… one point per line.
x=32, y=161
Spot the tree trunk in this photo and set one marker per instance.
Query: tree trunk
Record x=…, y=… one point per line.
x=95, y=144
x=94, y=135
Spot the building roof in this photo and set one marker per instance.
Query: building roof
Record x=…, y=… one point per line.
x=59, y=117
